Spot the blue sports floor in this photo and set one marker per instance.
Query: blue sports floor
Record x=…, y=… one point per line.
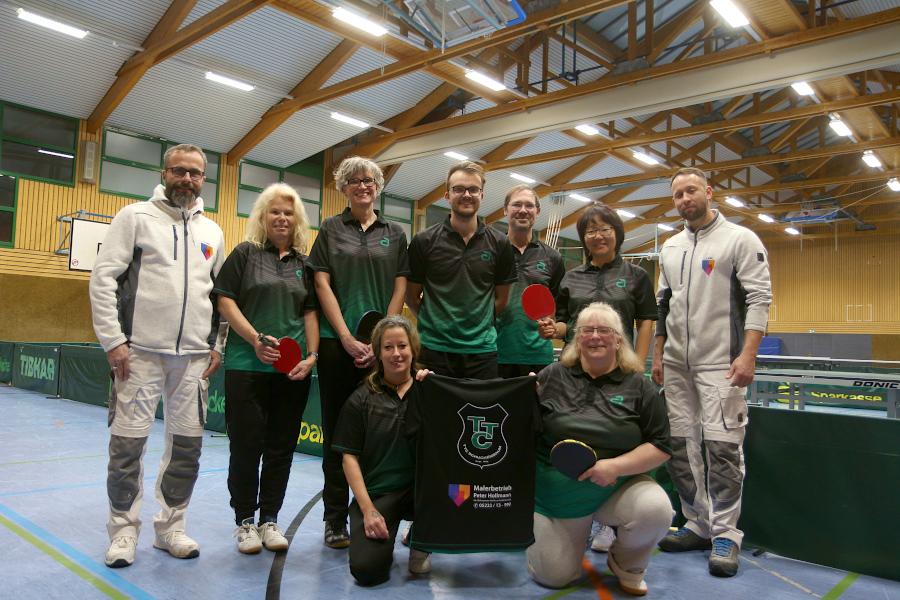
x=52, y=536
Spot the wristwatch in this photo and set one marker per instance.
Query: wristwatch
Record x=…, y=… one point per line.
x=316, y=354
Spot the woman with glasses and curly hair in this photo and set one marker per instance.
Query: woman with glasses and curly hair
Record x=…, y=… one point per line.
x=265, y=293
x=360, y=264
x=378, y=458
x=597, y=394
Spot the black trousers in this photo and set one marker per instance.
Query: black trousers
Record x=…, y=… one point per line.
x=370, y=560
x=453, y=364
x=338, y=377
x=263, y=412
x=511, y=371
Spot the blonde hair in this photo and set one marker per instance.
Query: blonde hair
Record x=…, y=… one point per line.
x=626, y=359
x=256, y=222
x=355, y=165
x=376, y=377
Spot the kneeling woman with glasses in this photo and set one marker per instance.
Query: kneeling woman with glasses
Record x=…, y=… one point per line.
x=378, y=458
x=597, y=394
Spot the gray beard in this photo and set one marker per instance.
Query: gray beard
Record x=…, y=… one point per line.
x=182, y=197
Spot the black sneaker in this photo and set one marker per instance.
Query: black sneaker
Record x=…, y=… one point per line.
x=683, y=540
x=336, y=535
x=723, y=560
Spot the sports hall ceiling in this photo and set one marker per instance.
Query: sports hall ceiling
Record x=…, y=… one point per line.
x=669, y=78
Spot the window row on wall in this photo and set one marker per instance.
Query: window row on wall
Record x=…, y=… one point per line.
x=43, y=146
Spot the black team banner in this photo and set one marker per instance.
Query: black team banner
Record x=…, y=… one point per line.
x=475, y=462
x=6, y=361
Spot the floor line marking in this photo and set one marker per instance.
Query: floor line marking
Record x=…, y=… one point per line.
x=603, y=592
x=778, y=575
x=273, y=586
x=841, y=587
x=102, y=578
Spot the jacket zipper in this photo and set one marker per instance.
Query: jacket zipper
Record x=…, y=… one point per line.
x=184, y=289
x=175, y=242
x=687, y=305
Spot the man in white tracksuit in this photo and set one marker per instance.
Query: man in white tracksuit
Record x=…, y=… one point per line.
x=150, y=294
x=713, y=296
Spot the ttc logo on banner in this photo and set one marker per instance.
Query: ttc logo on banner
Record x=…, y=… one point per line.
x=481, y=442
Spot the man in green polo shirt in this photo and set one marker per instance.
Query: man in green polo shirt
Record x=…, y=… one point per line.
x=460, y=275
x=520, y=349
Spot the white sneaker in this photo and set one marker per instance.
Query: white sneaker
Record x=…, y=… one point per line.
x=121, y=551
x=603, y=538
x=177, y=544
x=631, y=582
x=248, y=538
x=272, y=537
x=419, y=562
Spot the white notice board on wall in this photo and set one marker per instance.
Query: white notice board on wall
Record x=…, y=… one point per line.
x=84, y=243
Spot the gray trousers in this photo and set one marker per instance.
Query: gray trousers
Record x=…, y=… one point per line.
x=641, y=512
x=132, y=409
x=708, y=419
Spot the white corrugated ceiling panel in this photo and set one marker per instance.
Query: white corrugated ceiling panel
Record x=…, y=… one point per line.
x=547, y=142
x=861, y=8
x=659, y=189
x=51, y=71
x=609, y=167
x=123, y=21
x=174, y=101
x=499, y=181
x=312, y=130
x=415, y=178
x=267, y=48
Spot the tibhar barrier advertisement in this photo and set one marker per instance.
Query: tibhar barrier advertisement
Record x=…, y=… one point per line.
x=36, y=368
x=81, y=373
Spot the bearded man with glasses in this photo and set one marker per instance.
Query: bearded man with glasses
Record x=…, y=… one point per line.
x=460, y=275
x=153, y=314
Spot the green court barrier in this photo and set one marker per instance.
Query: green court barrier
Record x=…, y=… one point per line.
x=824, y=488
x=6, y=361
x=84, y=374
x=36, y=368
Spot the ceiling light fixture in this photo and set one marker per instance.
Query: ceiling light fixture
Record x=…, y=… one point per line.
x=349, y=120
x=587, y=129
x=644, y=157
x=803, y=88
x=52, y=153
x=625, y=214
x=358, y=21
x=839, y=126
x=792, y=231
x=894, y=184
x=240, y=85
x=730, y=12
x=51, y=24
x=665, y=227
x=456, y=155
x=579, y=197
x=870, y=159
x=522, y=178
x=734, y=202
x=489, y=82
x=766, y=218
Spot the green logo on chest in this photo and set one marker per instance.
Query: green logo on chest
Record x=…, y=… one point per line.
x=385, y=242
x=541, y=266
x=617, y=400
x=621, y=283
x=486, y=256
x=299, y=273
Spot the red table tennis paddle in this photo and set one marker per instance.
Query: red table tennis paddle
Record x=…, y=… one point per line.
x=572, y=458
x=537, y=302
x=290, y=355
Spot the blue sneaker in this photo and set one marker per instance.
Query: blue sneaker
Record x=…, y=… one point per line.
x=723, y=560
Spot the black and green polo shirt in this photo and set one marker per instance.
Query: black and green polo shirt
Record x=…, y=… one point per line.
x=613, y=414
x=620, y=284
x=458, y=279
x=518, y=342
x=362, y=265
x=372, y=427
x=271, y=292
